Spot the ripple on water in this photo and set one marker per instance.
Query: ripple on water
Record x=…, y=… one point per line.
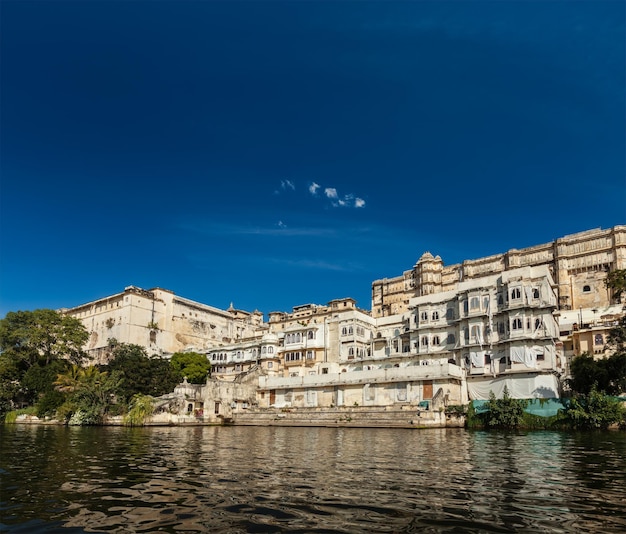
x=247, y=479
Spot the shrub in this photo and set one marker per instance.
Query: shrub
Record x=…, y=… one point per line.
x=594, y=411
x=505, y=412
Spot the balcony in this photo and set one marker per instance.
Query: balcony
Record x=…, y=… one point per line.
x=395, y=374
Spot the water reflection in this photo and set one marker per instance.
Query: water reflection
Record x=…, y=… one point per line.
x=247, y=479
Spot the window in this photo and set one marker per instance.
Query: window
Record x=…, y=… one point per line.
x=424, y=316
x=474, y=303
x=424, y=341
x=516, y=293
x=598, y=339
x=451, y=339
x=538, y=323
x=476, y=333
x=449, y=313
x=309, y=354
x=344, y=331
x=324, y=370
x=516, y=324
x=350, y=331
x=270, y=365
x=465, y=306
x=541, y=357
x=536, y=293
x=435, y=316
x=586, y=289
x=264, y=350
x=436, y=340
x=311, y=334
x=351, y=352
x=270, y=350
x=487, y=359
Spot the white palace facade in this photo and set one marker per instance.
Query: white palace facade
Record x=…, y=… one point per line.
x=436, y=336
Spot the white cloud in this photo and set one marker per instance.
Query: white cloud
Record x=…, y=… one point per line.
x=285, y=185
x=313, y=188
x=359, y=203
x=330, y=192
x=281, y=224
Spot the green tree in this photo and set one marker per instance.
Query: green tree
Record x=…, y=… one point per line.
x=617, y=336
x=607, y=375
x=142, y=374
x=30, y=337
x=196, y=367
x=616, y=280
x=39, y=385
x=594, y=411
x=34, y=339
x=139, y=409
x=505, y=412
x=587, y=373
x=90, y=392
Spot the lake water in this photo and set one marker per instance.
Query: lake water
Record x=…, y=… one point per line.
x=269, y=479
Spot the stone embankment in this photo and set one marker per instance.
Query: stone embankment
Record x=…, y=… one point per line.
x=369, y=417
x=362, y=417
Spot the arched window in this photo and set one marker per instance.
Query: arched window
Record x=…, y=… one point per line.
x=264, y=350
x=474, y=303
x=270, y=350
x=424, y=341
x=586, y=289
x=311, y=334
x=344, y=331
x=516, y=324
x=350, y=331
x=424, y=316
x=351, y=351
x=538, y=323
x=516, y=293
x=436, y=341
x=297, y=337
x=598, y=339
x=451, y=339
x=435, y=316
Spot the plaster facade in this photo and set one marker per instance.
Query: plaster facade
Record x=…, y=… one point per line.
x=578, y=263
x=160, y=321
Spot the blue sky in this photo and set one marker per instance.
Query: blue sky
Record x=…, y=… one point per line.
x=272, y=154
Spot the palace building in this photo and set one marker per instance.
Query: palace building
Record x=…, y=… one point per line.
x=578, y=263
x=435, y=336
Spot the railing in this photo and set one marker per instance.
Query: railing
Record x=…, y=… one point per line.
x=393, y=374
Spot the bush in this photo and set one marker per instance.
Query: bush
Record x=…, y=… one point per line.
x=594, y=411
x=505, y=412
x=12, y=416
